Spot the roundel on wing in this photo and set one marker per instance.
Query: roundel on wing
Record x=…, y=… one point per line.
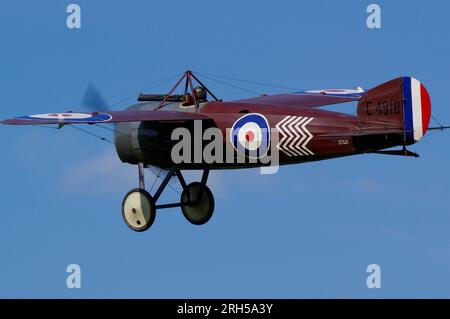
x=250, y=135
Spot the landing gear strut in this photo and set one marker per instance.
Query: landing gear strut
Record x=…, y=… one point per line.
x=196, y=203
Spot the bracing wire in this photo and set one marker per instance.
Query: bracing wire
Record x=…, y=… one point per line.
x=154, y=182
x=91, y=134
x=46, y=126
x=146, y=86
x=435, y=119
x=158, y=83
x=231, y=85
x=157, y=175
x=436, y=130
x=247, y=81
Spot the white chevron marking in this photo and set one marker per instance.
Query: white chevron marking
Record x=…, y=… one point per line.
x=289, y=137
x=280, y=128
x=310, y=136
x=295, y=135
x=292, y=135
x=298, y=145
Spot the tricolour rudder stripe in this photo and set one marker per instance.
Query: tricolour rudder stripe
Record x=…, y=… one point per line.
x=426, y=108
x=417, y=109
x=407, y=110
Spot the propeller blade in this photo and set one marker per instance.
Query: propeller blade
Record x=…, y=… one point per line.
x=93, y=100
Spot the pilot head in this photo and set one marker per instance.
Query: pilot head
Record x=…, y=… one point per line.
x=200, y=94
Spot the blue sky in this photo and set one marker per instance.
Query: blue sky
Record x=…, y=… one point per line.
x=308, y=231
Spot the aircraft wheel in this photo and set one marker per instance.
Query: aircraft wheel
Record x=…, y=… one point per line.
x=201, y=210
x=138, y=209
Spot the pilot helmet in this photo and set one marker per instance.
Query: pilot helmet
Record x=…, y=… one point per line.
x=200, y=93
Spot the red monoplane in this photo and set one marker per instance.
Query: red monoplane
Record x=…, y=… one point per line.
x=291, y=126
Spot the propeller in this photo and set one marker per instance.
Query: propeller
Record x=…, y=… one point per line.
x=93, y=100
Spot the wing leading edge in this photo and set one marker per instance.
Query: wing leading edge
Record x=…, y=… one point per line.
x=109, y=117
x=315, y=98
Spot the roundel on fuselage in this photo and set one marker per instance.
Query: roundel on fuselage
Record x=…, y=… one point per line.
x=250, y=135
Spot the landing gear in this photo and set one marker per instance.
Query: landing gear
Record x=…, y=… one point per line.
x=196, y=203
x=200, y=203
x=138, y=209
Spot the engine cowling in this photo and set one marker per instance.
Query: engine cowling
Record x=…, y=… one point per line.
x=135, y=141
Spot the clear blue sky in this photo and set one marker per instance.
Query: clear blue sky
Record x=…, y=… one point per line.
x=308, y=231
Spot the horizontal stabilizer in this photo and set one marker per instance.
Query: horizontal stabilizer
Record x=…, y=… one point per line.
x=403, y=152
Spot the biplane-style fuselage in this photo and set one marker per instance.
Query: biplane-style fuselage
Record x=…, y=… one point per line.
x=303, y=131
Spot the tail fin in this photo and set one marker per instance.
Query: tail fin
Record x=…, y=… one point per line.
x=404, y=101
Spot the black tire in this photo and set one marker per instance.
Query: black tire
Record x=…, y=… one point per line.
x=138, y=210
x=199, y=212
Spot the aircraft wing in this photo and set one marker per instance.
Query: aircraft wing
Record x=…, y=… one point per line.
x=314, y=98
x=103, y=117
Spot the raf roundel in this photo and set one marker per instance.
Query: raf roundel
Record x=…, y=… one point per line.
x=70, y=116
x=250, y=135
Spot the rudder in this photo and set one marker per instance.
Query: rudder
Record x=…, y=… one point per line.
x=404, y=100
